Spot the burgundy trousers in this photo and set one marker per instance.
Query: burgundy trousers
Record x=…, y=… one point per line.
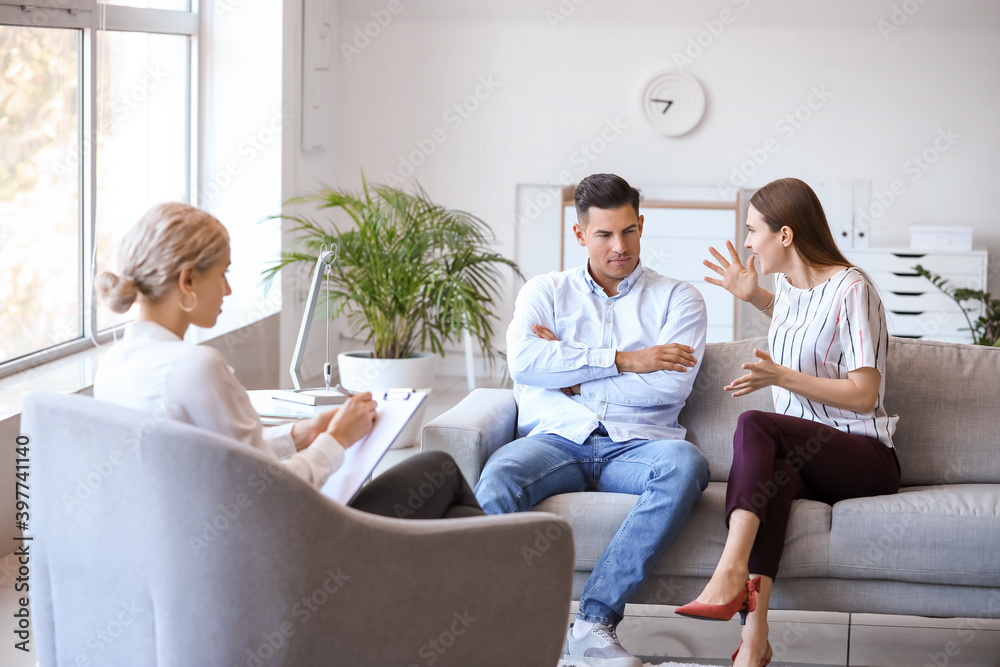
x=777, y=459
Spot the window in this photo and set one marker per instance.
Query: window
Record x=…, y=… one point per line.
x=142, y=127
x=95, y=126
x=41, y=265
x=107, y=108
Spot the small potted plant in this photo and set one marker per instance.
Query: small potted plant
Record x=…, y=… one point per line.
x=410, y=275
x=986, y=329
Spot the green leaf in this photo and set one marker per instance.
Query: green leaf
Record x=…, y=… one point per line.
x=410, y=274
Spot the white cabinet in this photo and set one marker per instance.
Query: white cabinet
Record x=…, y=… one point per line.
x=675, y=239
x=914, y=307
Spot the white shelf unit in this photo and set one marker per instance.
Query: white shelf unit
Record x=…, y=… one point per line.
x=914, y=307
x=675, y=240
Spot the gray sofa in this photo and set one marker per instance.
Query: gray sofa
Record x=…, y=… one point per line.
x=931, y=550
x=157, y=543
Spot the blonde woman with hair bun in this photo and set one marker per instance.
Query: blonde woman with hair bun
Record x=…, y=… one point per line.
x=161, y=257
x=173, y=263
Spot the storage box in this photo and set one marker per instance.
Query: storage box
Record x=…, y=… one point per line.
x=940, y=237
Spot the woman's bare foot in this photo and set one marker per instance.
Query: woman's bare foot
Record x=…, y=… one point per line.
x=724, y=586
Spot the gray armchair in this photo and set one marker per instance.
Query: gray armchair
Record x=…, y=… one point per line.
x=157, y=543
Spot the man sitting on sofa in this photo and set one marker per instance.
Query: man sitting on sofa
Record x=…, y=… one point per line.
x=606, y=354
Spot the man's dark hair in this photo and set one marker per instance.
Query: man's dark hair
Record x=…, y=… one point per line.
x=606, y=192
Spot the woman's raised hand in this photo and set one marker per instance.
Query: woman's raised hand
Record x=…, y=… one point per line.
x=740, y=281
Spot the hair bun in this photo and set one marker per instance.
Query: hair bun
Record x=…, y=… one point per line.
x=118, y=293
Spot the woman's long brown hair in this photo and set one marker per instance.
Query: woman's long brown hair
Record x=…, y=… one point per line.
x=790, y=202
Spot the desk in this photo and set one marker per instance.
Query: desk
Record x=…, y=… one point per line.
x=273, y=411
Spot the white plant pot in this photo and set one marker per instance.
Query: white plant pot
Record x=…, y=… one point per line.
x=360, y=372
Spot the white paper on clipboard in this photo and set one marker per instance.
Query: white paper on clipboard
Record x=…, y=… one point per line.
x=395, y=410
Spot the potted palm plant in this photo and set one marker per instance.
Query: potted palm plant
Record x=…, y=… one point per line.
x=410, y=276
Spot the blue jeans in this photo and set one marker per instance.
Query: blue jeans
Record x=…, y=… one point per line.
x=667, y=475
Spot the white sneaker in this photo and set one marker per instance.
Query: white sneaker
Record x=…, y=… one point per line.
x=598, y=648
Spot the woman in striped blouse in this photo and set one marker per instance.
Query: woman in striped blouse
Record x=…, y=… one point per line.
x=829, y=437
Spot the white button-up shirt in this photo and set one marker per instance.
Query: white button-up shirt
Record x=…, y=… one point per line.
x=649, y=309
x=152, y=369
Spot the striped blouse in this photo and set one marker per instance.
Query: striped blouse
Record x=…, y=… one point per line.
x=835, y=327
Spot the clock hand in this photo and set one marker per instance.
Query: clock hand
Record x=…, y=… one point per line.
x=667, y=102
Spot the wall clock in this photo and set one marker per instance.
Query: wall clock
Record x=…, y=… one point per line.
x=673, y=102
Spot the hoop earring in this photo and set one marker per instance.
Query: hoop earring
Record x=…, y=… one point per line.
x=180, y=302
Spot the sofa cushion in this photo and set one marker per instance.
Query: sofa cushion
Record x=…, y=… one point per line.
x=944, y=394
x=926, y=534
x=710, y=412
x=949, y=423
x=596, y=517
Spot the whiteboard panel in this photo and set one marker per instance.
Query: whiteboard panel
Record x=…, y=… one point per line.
x=718, y=302
x=687, y=223
x=674, y=243
x=536, y=228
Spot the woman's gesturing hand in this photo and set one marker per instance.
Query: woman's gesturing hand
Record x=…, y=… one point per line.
x=353, y=419
x=740, y=281
x=763, y=373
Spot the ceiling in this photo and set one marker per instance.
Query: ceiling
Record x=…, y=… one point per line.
x=806, y=14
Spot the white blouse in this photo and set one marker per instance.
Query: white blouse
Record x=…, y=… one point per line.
x=151, y=368
x=826, y=331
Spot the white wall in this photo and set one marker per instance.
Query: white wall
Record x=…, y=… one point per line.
x=302, y=172
x=557, y=87
x=242, y=123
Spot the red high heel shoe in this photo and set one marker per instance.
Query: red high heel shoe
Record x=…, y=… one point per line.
x=744, y=602
x=765, y=661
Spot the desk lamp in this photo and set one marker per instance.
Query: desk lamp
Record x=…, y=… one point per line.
x=317, y=396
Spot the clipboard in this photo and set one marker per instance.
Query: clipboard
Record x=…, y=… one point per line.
x=395, y=410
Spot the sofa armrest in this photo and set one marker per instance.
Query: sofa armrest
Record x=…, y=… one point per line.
x=482, y=423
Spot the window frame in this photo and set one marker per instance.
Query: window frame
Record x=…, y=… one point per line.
x=89, y=17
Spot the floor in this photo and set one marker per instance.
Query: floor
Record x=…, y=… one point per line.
x=817, y=638
x=656, y=634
